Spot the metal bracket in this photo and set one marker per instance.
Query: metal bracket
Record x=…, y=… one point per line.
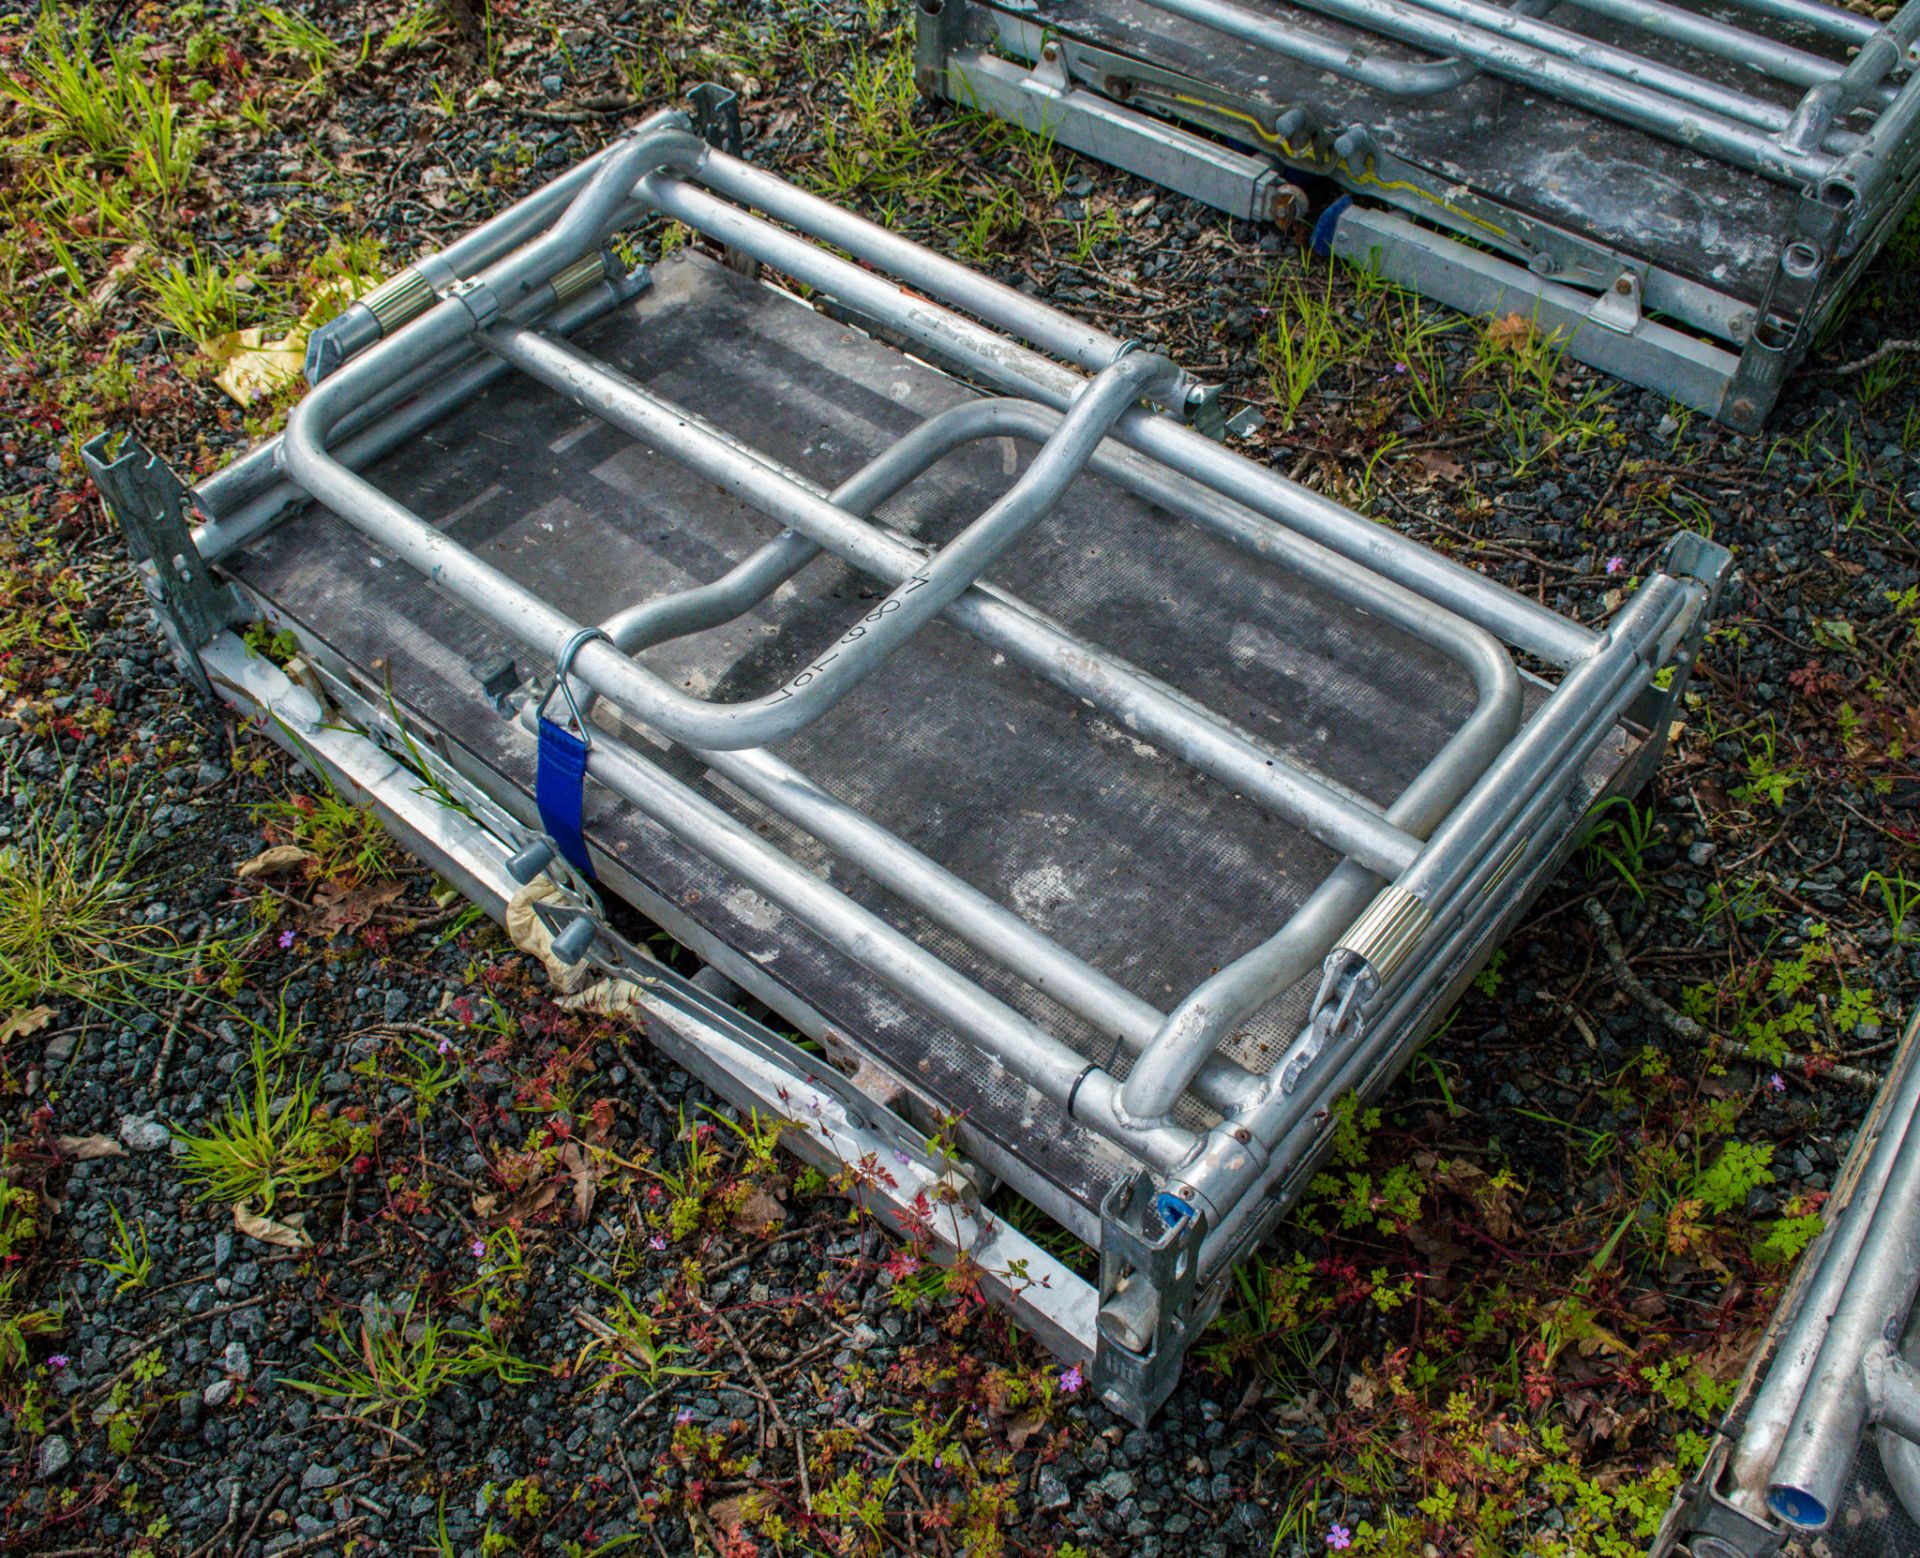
x=150, y=504
x=1149, y=1272
x=1709, y=564
x=1618, y=308
x=716, y=116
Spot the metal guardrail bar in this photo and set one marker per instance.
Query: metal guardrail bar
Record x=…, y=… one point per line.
x=1174, y=1052
x=1769, y=56
x=1764, y=1429
x=1282, y=1118
x=1495, y=25
x=1673, y=118
x=915, y=599
x=1832, y=20
x=1201, y=480
x=243, y=511
x=1512, y=617
x=1402, y=78
x=1331, y=814
x=1058, y=1071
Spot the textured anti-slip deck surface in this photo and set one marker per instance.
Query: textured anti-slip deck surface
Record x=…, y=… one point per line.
x=1627, y=189
x=1150, y=871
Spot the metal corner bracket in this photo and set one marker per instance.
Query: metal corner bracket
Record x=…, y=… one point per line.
x=151, y=504
x=1149, y=1275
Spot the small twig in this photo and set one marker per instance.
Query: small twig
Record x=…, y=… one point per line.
x=1571, y=1012
x=806, y=1484
x=1879, y=354
x=633, y=1485
x=1811, y=1065
x=321, y=1539
x=181, y=1013
x=1681, y=1025
x=259, y=1515
x=147, y=1343
x=753, y=1369
x=367, y=1422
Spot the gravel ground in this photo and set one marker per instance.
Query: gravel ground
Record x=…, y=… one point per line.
x=1501, y=1325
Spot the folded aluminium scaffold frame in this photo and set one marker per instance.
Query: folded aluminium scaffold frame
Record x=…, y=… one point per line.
x=1197, y=1151
x=1683, y=192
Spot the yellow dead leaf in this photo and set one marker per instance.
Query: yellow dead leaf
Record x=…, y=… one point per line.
x=253, y=366
x=287, y=1234
x=17, y=1025
x=84, y=1149
x=483, y=1206
x=277, y=861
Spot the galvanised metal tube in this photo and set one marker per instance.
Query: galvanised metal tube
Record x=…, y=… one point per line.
x=451, y=380
x=1335, y=816
x=1563, y=721
x=1848, y=26
x=1501, y=24
x=1044, y=1061
x=1009, y=366
x=1778, y=1397
x=360, y=326
x=1613, y=96
x=1404, y=78
x=1767, y=55
x=1821, y=1442
x=1855, y=180
x=1878, y=57
x=1251, y=980
x=1283, y=1122
x=915, y=600
x=996, y=303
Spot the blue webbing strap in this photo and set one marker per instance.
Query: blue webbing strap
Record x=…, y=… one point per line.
x=560, y=780
x=1323, y=230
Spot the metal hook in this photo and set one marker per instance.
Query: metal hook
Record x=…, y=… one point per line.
x=562, y=666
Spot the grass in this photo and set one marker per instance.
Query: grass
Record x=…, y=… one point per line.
x=346, y=842
x=76, y=90
x=1307, y=338
x=273, y=1137
x=395, y=1367
x=66, y=886
x=129, y=1261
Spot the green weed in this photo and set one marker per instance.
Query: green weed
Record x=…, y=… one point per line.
x=273, y=1138
x=65, y=886
x=397, y=1366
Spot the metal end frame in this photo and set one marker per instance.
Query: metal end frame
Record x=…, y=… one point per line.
x=1837, y=1363
x=1785, y=127
x=1421, y=885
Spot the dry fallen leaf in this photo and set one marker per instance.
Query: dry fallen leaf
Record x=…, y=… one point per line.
x=584, y=1169
x=1514, y=331
x=277, y=861
x=287, y=1234
x=349, y=908
x=1024, y=1427
x=758, y=1213
x=483, y=1206
x=84, y=1149
x=18, y=1024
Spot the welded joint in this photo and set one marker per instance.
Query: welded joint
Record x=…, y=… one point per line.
x=1893, y=1391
